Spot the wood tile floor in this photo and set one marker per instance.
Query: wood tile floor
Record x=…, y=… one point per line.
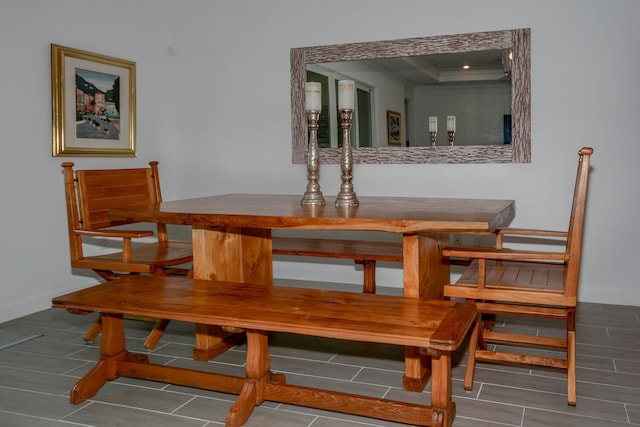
x=36, y=377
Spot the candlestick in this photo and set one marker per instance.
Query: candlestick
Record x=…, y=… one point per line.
x=313, y=196
x=346, y=197
x=313, y=96
x=433, y=129
x=451, y=128
x=346, y=94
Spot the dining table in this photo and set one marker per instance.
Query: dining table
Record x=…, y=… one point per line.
x=231, y=236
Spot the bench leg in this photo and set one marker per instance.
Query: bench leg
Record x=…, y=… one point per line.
x=369, y=270
x=94, y=330
x=474, y=339
x=243, y=406
x=444, y=409
x=112, y=351
x=571, y=357
x=257, y=372
x=156, y=333
x=91, y=382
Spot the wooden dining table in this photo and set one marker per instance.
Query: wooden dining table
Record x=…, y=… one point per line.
x=232, y=242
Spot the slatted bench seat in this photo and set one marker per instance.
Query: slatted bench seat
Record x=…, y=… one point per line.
x=365, y=252
x=362, y=252
x=438, y=327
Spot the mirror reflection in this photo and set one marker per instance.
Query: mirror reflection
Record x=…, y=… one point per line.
x=473, y=87
x=404, y=85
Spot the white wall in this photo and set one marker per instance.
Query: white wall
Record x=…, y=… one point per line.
x=479, y=109
x=216, y=114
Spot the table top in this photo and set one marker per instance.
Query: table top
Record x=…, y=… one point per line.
x=278, y=211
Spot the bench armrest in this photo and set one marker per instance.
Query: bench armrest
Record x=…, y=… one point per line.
x=503, y=254
x=531, y=232
x=123, y=234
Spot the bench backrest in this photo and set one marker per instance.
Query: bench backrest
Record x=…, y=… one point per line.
x=91, y=193
x=576, y=222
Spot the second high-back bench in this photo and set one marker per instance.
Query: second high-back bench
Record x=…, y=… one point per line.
x=437, y=327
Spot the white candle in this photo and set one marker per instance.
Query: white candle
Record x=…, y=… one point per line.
x=451, y=123
x=433, y=124
x=346, y=94
x=313, y=96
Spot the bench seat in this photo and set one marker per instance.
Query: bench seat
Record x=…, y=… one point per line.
x=364, y=252
x=438, y=327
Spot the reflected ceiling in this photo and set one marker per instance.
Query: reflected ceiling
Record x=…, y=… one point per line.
x=433, y=69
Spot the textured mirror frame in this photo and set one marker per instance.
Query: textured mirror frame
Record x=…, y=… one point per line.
x=519, y=151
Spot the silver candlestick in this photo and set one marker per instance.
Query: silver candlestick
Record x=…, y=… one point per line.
x=313, y=195
x=346, y=197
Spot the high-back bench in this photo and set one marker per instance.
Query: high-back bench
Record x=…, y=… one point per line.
x=438, y=327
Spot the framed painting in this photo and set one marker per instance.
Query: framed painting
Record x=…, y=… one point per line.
x=394, y=128
x=93, y=104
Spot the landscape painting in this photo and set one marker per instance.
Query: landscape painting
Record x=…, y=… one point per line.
x=97, y=105
x=93, y=101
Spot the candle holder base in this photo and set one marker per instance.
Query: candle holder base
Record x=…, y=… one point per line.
x=434, y=136
x=313, y=199
x=347, y=200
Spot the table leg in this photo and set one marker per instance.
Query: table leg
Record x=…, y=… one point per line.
x=425, y=274
x=240, y=255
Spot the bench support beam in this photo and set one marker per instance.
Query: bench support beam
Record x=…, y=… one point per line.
x=260, y=383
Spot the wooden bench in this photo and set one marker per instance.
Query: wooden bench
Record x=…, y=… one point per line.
x=438, y=327
x=365, y=252
x=362, y=252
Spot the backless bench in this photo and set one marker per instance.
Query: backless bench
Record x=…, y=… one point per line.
x=363, y=252
x=436, y=326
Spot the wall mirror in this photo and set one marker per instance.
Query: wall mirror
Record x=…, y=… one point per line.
x=501, y=62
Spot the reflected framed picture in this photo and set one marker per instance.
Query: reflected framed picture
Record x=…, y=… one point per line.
x=93, y=104
x=506, y=120
x=394, y=128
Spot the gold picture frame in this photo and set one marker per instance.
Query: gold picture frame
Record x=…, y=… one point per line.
x=394, y=128
x=93, y=104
